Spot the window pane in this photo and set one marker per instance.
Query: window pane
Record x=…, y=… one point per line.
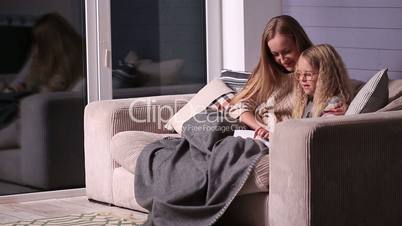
x=42, y=95
x=158, y=47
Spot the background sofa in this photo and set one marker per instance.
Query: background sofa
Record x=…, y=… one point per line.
x=339, y=171
x=46, y=151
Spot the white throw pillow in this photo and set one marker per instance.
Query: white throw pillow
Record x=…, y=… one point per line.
x=198, y=103
x=372, y=97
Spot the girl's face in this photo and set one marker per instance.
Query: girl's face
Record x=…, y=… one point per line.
x=284, y=51
x=307, y=76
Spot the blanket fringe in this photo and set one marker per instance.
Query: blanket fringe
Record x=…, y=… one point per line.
x=248, y=172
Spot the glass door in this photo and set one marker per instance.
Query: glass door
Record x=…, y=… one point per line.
x=140, y=48
x=42, y=95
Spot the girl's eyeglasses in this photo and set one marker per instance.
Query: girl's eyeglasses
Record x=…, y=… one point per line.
x=309, y=75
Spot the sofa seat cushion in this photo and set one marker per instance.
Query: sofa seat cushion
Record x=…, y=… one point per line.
x=123, y=187
x=126, y=146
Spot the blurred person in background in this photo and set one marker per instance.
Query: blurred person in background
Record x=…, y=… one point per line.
x=54, y=64
x=55, y=61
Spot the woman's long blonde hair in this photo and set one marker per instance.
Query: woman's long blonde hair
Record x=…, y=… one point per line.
x=267, y=75
x=56, y=52
x=332, y=80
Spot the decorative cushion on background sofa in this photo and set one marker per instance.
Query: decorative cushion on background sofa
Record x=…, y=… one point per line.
x=372, y=97
x=166, y=71
x=149, y=72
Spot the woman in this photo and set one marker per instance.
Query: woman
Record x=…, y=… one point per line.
x=192, y=179
x=266, y=97
x=323, y=86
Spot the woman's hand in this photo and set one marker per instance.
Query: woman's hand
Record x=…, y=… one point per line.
x=261, y=132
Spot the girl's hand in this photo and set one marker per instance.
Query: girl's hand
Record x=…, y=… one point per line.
x=261, y=132
x=340, y=109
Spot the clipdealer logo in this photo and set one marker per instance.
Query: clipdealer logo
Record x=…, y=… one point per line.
x=149, y=110
x=154, y=112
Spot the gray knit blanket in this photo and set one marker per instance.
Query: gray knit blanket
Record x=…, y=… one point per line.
x=191, y=181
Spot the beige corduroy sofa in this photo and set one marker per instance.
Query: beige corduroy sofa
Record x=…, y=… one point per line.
x=343, y=170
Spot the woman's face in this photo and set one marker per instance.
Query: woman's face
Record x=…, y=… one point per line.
x=284, y=51
x=307, y=76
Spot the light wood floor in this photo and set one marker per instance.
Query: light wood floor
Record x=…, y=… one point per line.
x=59, y=207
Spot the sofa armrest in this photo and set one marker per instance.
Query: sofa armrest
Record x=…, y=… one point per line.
x=104, y=119
x=337, y=171
x=52, y=144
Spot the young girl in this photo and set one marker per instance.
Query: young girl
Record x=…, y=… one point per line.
x=322, y=83
x=266, y=97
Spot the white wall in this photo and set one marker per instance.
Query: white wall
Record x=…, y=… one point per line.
x=242, y=24
x=366, y=33
x=233, y=34
x=257, y=13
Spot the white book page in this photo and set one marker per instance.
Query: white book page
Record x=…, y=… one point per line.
x=247, y=133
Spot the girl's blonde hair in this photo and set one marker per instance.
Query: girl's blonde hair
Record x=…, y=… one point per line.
x=267, y=75
x=332, y=80
x=56, y=52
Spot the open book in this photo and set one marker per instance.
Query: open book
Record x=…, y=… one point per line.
x=247, y=133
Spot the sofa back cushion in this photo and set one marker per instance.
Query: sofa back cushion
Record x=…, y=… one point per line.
x=395, y=96
x=394, y=105
x=395, y=89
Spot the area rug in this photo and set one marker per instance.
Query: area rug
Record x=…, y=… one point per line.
x=80, y=219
